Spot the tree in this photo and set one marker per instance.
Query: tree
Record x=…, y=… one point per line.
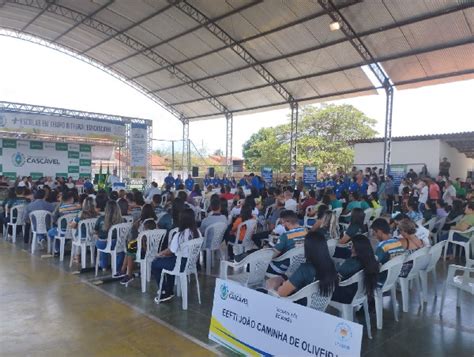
x=323, y=139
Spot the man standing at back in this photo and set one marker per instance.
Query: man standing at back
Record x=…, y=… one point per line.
x=189, y=183
x=444, y=167
x=169, y=181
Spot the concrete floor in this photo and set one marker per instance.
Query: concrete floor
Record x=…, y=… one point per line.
x=420, y=332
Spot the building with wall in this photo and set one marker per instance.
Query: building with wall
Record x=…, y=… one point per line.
x=419, y=150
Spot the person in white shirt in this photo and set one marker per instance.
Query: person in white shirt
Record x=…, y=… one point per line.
x=372, y=187
x=153, y=190
x=449, y=193
x=113, y=178
x=290, y=203
x=423, y=196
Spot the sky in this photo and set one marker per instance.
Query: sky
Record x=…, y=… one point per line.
x=33, y=74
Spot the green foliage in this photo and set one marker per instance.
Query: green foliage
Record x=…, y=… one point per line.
x=323, y=136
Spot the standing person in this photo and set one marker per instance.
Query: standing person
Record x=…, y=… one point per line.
x=390, y=193
x=169, y=181
x=444, y=167
x=166, y=259
x=113, y=178
x=111, y=217
x=433, y=190
x=382, y=195
x=189, y=183
x=423, y=199
x=178, y=182
x=449, y=194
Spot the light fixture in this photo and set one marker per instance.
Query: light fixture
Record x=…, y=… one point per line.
x=334, y=26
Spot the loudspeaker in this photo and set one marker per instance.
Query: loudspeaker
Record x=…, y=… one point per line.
x=211, y=171
x=195, y=171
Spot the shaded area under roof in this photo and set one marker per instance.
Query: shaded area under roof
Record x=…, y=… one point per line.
x=462, y=141
x=203, y=58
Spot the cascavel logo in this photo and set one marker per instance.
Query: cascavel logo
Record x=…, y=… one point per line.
x=18, y=159
x=343, y=332
x=224, y=291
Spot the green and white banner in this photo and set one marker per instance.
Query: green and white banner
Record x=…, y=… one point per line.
x=39, y=159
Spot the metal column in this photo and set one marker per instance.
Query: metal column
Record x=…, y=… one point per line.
x=228, y=143
x=293, y=138
x=387, y=145
x=186, y=155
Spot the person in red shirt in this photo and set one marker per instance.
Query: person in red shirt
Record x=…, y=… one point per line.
x=225, y=193
x=434, y=192
x=309, y=201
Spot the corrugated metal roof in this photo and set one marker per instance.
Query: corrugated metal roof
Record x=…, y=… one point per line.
x=202, y=58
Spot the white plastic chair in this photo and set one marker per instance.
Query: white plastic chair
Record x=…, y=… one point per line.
x=154, y=239
x=254, y=267
x=338, y=212
x=193, y=248
x=128, y=219
x=197, y=201
x=64, y=233
x=40, y=220
x=314, y=299
x=122, y=230
x=367, y=216
x=466, y=245
x=332, y=244
x=163, y=200
x=393, y=268
x=463, y=282
x=296, y=258
x=435, y=254
x=346, y=217
x=420, y=259
x=212, y=242
x=81, y=241
x=307, y=217
x=247, y=243
x=360, y=298
x=17, y=219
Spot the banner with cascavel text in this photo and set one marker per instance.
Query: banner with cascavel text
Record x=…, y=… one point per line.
x=39, y=159
x=139, y=150
x=256, y=324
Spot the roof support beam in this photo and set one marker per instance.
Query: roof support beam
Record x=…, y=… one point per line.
x=349, y=67
x=92, y=14
x=392, y=26
x=229, y=129
x=251, y=38
x=213, y=20
x=48, y=4
x=374, y=66
x=103, y=28
x=294, y=139
x=135, y=24
x=222, y=35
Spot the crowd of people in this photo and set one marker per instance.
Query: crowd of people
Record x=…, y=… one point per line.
x=335, y=208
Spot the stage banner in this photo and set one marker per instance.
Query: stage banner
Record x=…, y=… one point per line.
x=256, y=324
x=62, y=126
x=139, y=150
x=39, y=159
x=267, y=174
x=398, y=172
x=310, y=174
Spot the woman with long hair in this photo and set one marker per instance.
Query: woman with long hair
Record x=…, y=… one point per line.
x=146, y=222
x=166, y=259
x=176, y=209
x=362, y=257
x=319, y=266
x=88, y=211
x=111, y=217
x=355, y=227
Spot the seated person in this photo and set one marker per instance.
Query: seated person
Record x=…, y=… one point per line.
x=318, y=267
x=409, y=241
x=213, y=217
x=413, y=213
x=145, y=223
x=355, y=227
x=293, y=236
x=362, y=257
x=464, y=224
x=245, y=215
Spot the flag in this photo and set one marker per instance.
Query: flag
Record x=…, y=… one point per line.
x=100, y=183
x=106, y=179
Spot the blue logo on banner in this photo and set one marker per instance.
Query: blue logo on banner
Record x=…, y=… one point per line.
x=18, y=159
x=224, y=291
x=343, y=332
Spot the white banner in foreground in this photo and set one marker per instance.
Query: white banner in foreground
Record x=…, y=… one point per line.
x=257, y=324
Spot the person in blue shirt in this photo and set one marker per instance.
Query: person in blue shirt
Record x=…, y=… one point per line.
x=88, y=185
x=243, y=182
x=225, y=180
x=254, y=181
x=233, y=183
x=189, y=183
x=207, y=181
x=169, y=181
x=216, y=181
x=178, y=181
